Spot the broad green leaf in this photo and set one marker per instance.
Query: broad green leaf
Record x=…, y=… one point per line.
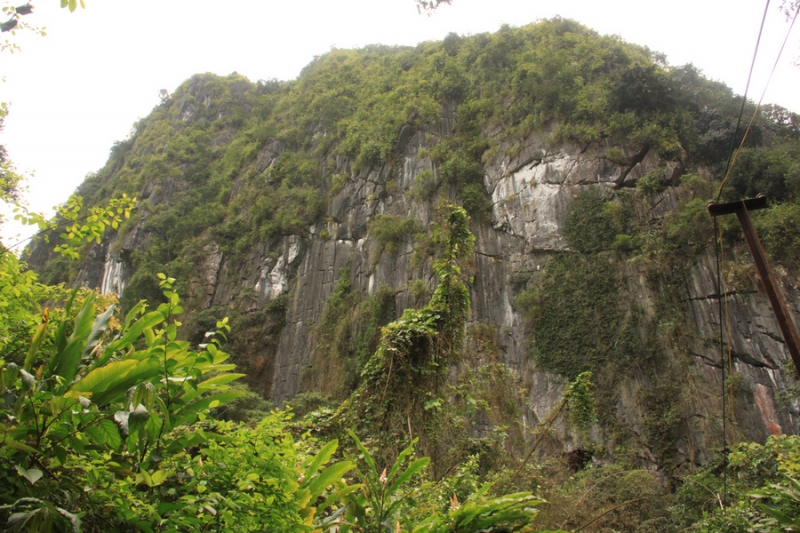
x=61, y=454
x=31, y=474
x=189, y=391
x=167, y=419
x=469, y=512
x=302, y=497
x=101, y=379
x=113, y=380
x=320, y=459
x=365, y=452
x=779, y=514
x=14, y=445
x=84, y=319
x=35, y=343
x=412, y=469
x=219, y=380
x=339, y=494
x=328, y=477
x=137, y=435
x=61, y=334
x=145, y=394
x=146, y=323
x=95, y=434
x=133, y=313
x=110, y=434
x=205, y=403
x=144, y=477
x=150, y=336
x=98, y=328
x=480, y=514
x=164, y=508
x=221, y=368
x=401, y=459
x=153, y=427
x=307, y=514
x=65, y=363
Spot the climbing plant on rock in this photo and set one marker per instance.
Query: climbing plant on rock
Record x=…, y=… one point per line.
x=410, y=366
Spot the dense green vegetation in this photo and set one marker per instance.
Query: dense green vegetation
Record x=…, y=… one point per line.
x=231, y=165
x=407, y=374
x=584, y=316
x=105, y=427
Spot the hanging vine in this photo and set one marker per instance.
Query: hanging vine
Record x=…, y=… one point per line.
x=410, y=365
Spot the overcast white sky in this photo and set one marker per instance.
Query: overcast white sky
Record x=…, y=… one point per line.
x=80, y=88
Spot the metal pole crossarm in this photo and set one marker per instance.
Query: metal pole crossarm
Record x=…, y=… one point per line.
x=785, y=321
x=750, y=204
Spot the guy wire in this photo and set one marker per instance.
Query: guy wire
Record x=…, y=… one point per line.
x=744, y=96
x=731, y=163
x=718, y=232
x=717, y=246
x=729, y=332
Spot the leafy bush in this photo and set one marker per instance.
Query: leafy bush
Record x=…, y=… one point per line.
x=385, y=502
x=249, y=408
x=425, y=185
x=773, y=171
x=388, y=232
x=779, y=231
x=418, y=289
x=372, y=315
x=476, y=202
x=591, y=224
x=608, y=498
x=306, y=402
x=86, y=392
x=762, y=491
x=346, y=336
x=651, y=183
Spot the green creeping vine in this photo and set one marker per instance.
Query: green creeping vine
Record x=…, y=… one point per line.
x=416, y=350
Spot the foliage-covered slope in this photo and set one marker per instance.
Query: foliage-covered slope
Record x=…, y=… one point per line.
x=258, y=197
x=195, y=157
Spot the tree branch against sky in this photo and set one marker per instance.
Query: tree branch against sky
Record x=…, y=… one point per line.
x=430, y=5
x=14, y=22
x=12, y=183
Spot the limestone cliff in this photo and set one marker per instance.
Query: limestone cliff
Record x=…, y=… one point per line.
x=214, y=157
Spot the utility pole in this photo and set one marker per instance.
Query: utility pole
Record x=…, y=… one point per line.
x=741, y=209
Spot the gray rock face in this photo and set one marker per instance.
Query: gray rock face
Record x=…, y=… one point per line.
x=529, y=195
